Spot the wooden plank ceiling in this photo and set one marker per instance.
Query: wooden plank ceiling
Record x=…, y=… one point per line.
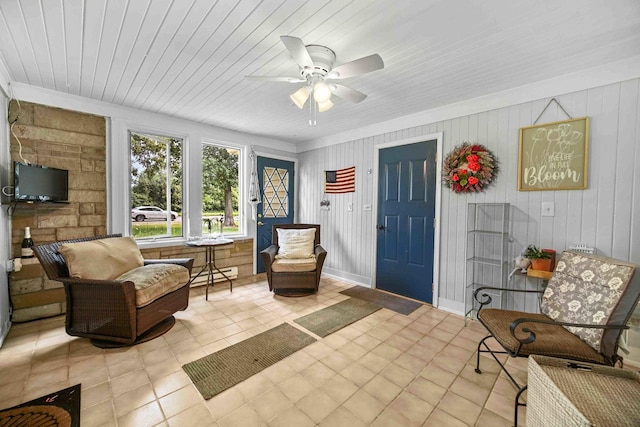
x=188, y=58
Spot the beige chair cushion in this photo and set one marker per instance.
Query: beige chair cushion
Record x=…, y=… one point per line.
x=103, y=259
x=155, y=280
x=287, y=265
x=296, y=243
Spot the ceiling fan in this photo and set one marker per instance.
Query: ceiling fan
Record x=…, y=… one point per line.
x=317, y=72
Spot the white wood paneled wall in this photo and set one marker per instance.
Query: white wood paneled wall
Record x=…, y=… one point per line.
x=603, y=216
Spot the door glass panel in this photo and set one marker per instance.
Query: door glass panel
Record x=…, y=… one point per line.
x=275, y=193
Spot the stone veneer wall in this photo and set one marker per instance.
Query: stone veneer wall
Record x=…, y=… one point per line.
x=239, y=255
x=76, y=142
x=67, y=140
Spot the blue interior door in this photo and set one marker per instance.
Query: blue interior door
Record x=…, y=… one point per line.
x=275, y=178
x=406, y=211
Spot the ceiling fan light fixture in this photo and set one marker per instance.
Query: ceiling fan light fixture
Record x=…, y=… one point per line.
x=321, y=92
x=300, y=96
x=324, y=106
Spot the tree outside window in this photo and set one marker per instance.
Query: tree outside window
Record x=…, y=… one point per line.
x=220, y=189
x=156, y=186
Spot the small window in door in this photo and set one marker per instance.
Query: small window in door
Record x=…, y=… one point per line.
x=275, y=196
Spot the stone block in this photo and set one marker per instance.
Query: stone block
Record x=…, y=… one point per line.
x=100, y=208
x=34, y=299
x=57, y=118
x=28, y=271
x=19, y=287
x=25, y=110
x=87, y=181
x=69, y=163
x=87, y=208
x=52, y=284
x=58, y=135
x=87, y=196
x=92, y=220
x=100, y=231
x=57, y=221
x=40, y=312
x=100, y=165
x=21, y=221
x=87, y=165
x=245, y=271
x=74, y=233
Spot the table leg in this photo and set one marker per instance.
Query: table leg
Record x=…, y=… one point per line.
x=211, y=263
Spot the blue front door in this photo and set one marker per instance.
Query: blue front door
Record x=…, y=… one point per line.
x=406, y=214
x=275, y=178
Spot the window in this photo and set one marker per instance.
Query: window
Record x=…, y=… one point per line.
x=156, y=186
x=221, y=211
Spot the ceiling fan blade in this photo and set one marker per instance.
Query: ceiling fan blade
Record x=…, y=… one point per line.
x=276, y=79
x=349, y=94
x=298, y=50
x=359, y=66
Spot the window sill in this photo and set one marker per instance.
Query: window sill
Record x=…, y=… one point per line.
x=178, y=241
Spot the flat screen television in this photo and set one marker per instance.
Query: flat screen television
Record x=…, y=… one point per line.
x=35, y=183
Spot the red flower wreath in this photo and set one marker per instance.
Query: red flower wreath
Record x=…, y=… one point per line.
x=469, y=168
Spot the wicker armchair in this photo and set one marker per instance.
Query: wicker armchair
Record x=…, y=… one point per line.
x=294, y=278
x=105, y=310
x=583, y=311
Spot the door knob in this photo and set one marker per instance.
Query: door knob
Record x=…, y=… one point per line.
x=380, y=227
x=260, y=223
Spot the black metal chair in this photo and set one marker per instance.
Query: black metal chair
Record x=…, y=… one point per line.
x=584, y=309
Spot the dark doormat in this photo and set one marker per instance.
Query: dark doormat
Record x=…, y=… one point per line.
x=217, y=372
x=392, y=302
x=61, y=408
x=330, y=319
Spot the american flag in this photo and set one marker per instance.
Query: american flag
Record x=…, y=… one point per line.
x=340, y=181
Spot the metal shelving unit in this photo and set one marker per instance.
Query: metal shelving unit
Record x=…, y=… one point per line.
x=487, y=252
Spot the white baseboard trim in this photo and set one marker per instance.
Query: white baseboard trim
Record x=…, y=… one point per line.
x=347, y=277
x=450, y=306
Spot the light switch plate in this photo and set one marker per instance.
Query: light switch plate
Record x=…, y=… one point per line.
x=367, y=207
x=350, y=207
x=548, y=209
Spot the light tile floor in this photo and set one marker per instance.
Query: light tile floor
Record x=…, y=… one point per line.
x=384, y=370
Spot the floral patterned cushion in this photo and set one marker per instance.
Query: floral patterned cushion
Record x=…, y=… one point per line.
x=155, y=280
x=586, y=289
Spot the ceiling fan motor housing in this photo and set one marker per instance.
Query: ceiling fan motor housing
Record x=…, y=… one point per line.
x=323, y=59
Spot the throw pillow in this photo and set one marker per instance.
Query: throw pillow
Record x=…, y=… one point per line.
x=103, y=259
x=296, y=243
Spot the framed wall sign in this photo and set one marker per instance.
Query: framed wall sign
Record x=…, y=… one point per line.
x=553, y=156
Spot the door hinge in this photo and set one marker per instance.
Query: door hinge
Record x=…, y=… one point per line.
x=434, y=222
x=432, y=288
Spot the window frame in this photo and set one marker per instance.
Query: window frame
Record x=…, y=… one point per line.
x=242, y=155
x=164, y=239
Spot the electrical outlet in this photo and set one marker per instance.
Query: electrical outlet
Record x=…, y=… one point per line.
x=9, y=266
x=548, y=209
x=350, y=207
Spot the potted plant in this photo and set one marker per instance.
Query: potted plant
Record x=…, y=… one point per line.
x=541, y=259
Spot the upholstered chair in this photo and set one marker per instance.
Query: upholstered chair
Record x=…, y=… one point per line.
x=114, y=296
x=294, y=260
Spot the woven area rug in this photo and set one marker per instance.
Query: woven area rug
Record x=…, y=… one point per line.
x=217, y=372
x=330, y=319
x=398, y=304
x=61, y=408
